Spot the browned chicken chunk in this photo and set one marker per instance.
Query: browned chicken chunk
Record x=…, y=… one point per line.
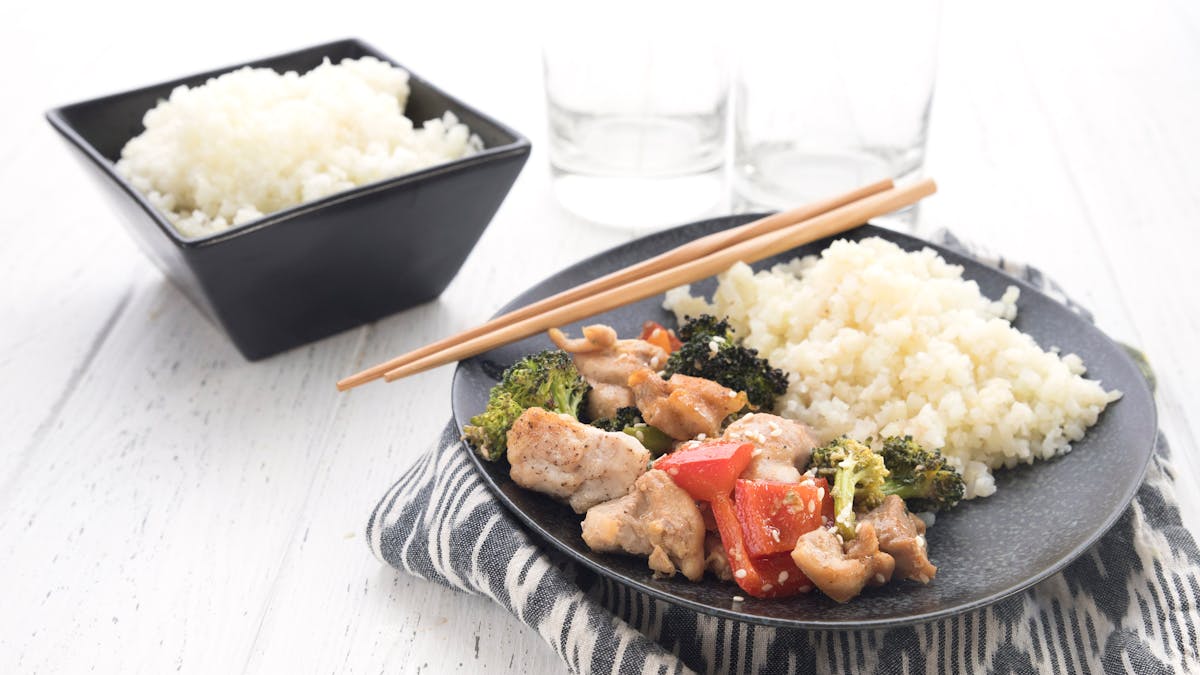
x=782, y=446
x=606, y=363
x=865, y=547
x=902, y=535
x=715, y=558
x=684, y=407
x=658, y=519
x=842, y=574
x=578, y=463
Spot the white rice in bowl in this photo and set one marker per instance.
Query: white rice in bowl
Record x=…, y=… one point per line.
x=880, y=342
x=252, y=142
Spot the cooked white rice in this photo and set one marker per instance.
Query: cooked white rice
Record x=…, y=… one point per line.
x=881, y=342
x=252, y=142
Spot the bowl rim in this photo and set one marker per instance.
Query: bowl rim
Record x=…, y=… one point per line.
x=519, y=146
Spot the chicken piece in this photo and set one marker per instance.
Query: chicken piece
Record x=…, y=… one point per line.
x=606, y=363
x=715, y=558
x=783, y=446
x=657, y=519
x=564, y=458
x=902, y=535
x=865, y=546
x=842, y=574
x=683, y=407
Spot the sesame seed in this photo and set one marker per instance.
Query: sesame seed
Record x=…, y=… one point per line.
x=820, y=494
x=741, y=574
x=812, y=505
x=701, y=437
x=738, y=598
x=756, y=452
x=879, y=578
x=805, y=589
x=767, y=587
x=783, y=576
x=673, y=471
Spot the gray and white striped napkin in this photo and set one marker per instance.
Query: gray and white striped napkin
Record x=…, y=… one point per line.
x=1130, y=604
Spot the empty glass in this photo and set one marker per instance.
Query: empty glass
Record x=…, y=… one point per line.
x=829, y=96
x=637, y=112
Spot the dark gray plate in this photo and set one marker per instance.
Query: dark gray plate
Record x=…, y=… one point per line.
x=1041, y=517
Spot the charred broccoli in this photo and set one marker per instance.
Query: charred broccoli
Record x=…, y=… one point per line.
x=624, y=417
x=856, y=474
x=710, y=351
x=629, y=419
x=920, y=477
x=547, y=380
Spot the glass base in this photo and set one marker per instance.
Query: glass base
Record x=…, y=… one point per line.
x=776, y=178
x=639, y=204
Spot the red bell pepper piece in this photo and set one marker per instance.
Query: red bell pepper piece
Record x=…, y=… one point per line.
x=654, y=333
x=774, y=515
x=707, y=470
x=774, y=576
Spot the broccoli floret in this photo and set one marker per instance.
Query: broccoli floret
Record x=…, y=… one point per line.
x=629, y=420
x=857, y=474
x=920, y=477
x=704, y=326
x=488, y=431
x=711, y=351
x=624, y=417
x=547, y=380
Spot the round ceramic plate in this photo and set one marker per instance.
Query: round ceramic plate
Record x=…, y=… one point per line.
x=1041, y=518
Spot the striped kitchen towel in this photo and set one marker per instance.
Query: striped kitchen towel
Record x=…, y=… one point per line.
x=1130, y=604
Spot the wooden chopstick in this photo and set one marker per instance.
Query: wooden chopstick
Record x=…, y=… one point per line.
x=752, y=250
x=675, y=257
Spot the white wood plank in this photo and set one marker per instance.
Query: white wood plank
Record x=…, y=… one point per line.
x=157, y=509
x=68, y=273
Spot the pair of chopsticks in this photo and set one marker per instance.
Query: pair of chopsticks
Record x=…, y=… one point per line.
x=691, y=262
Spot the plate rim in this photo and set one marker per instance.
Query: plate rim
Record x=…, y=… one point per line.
x=616, y=576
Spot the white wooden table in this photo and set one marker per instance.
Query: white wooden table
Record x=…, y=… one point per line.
x=165, y=505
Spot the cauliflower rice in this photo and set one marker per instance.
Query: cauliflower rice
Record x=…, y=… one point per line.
x=881, y=342
x=252, y=142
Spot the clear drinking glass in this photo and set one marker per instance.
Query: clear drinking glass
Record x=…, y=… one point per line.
x=829, y=96
x=636, y=97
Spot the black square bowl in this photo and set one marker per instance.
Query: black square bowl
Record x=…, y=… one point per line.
x=324, y=266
